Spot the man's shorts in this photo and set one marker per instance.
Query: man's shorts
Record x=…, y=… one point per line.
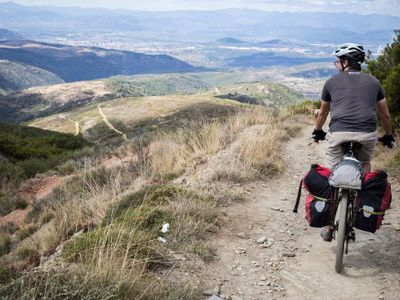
x=334, y=152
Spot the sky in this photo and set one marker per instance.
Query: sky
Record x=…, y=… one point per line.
x=391, y=7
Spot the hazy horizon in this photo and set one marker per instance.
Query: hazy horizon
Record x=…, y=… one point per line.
x=388, y=7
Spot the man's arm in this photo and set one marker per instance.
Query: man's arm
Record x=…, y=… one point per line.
x=323, y=114
x=384, y=115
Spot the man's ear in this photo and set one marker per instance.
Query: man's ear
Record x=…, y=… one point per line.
x=345, y=63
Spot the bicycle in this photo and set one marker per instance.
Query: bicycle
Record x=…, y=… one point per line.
x=345, y=203
x=340, y=189
x=344, y=200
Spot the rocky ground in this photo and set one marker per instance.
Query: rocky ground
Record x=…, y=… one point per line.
x=267, y=252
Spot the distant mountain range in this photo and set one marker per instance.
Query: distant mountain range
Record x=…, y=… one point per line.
x=268, y=43
x=242, y=24
x=83, y=63
x=6, y=34
x=231, y=41
x=266, y=59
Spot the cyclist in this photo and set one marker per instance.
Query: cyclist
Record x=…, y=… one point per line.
x=353, y=98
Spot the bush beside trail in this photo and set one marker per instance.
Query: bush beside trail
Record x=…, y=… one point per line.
x=27, y=151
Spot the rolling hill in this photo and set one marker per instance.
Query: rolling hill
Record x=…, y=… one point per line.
x=271, y=95
x=17, y=76
x=147, y=115
x=84, y=63
x=43, y=101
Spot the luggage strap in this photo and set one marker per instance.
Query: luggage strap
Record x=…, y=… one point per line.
x=321, y=199
x=375, y=213
x=296, y=206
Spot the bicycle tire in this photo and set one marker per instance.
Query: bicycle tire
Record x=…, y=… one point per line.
x=341, y=233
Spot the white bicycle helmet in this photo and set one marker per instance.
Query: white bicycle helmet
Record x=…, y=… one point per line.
x=351, y=51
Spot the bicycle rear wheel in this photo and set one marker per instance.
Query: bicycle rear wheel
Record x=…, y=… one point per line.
x=341, y=233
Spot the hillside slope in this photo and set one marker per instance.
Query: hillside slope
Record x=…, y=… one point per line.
x=85, y=63
x=40, y=102
x=16, y=76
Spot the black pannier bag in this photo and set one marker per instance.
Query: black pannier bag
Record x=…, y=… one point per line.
x=319, y=203
x=372, y=201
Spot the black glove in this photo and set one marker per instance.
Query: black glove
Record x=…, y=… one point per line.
x=387, y=140
x=318, y=135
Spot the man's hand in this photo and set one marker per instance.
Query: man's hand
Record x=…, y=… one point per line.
x=318, y=135
x=387, y=140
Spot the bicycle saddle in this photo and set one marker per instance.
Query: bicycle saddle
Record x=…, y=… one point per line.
x=351, y=148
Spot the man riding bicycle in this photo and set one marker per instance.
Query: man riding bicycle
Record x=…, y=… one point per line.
x=353, y=98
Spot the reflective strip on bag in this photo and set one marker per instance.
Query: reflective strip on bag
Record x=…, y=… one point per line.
x=321, y=199
x=376, y=213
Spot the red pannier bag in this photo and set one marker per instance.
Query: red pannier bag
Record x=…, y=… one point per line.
x=373, y=200
x=319, y=203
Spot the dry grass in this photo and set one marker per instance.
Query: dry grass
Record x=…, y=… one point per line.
x=171, y=153
x=123, y=250
x=84, y=201
x=387, y=160
x=259, y=148
x=304, y=108
x=119, y=223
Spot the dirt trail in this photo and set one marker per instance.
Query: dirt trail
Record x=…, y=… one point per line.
x=109, y=125
x=290, y=260
x=77, y=129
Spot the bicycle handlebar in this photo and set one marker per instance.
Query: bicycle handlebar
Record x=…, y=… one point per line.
x=394, y=145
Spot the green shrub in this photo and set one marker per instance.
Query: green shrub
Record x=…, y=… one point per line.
x=9, y=228
x=386, y=67
x=45, y=217
x=133, y=225
x=6, y=275
x=23, y=253
x=135, y=244
x=10, y=175
x=25, y=232
x=58, y=284
x=73, y=283
x=153, y=195
x=6, y=204
x=9, y=203
x=67, y=168
x=34, y=150
x=20, y=203
x=5, y=244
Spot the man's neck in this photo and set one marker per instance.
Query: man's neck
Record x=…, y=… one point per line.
x=348, y=69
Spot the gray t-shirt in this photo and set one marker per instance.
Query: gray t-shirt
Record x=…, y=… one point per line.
x=353, y=96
